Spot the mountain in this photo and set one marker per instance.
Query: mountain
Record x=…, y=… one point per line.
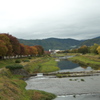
x=90, y=42
x=62, y=44
x=52, y=43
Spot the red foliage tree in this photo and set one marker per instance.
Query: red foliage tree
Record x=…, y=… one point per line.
x=11, y=46
x=22, y=49
x=15, y=44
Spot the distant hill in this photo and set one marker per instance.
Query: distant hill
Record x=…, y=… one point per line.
x=62, y=44
x=52, y=43
x=90, y=42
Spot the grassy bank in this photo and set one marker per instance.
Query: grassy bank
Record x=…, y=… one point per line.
x=43, y=65
x=13, y=88
x=6, y=62
x=60, y=54
x=87, y=60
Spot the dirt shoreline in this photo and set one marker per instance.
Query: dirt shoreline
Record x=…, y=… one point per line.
x=66, y=86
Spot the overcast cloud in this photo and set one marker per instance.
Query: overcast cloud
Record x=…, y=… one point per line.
x=38, y=19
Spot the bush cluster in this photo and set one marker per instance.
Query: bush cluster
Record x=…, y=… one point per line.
x=15, y=66
x=26, y=60
x=29, y=58
x=17, y=61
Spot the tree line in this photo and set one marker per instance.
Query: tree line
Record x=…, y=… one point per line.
x=94, y=49
x=10, y=46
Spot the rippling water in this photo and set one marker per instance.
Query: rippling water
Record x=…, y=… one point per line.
x=63, y=86
x=79, y=97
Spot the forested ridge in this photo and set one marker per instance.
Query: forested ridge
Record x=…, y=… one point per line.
x=90, y=42
x=52, y=43
x=62, y=44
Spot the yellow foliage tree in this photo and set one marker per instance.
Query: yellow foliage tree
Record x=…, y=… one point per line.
x=3, y=48
x=98, y=49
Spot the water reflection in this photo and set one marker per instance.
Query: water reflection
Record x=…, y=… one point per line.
x=66, y=65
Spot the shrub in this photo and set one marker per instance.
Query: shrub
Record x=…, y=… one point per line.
x=67, y=72
x=70, y=79
x=76, y=79
x=26, y=60
x=59, y=75
x=17, y=61
x=15, y=66
x=73, y=79
x=82, y=80
x=29, y=58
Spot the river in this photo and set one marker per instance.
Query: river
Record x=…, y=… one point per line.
x=71, y=88
x=69, y=66
x=79, y=97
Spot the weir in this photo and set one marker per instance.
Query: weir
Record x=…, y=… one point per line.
x=39, y=74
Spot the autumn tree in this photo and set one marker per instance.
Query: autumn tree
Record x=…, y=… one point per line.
x=15, y=44
x=22, y=49
x=93, y=49
x=34, y=51
x=40, y=50
x=83, y=49
x=3, y=49
x=11, y=46
x=27, y=49
x=30, y=50
x=72, y=51
x=8, y=44
x=98, y=49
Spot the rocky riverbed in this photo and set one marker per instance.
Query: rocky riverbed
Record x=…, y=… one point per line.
x=65, y=86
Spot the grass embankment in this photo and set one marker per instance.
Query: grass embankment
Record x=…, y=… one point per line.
x=60, y=54
x=43, y=65
x=13, y=88
x=6, y=62
x=88, y=60
x=33, y=65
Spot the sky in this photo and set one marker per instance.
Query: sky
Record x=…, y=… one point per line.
x=40, y=19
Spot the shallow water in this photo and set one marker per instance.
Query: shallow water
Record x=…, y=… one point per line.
x=64, y=86
x=79, y=97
